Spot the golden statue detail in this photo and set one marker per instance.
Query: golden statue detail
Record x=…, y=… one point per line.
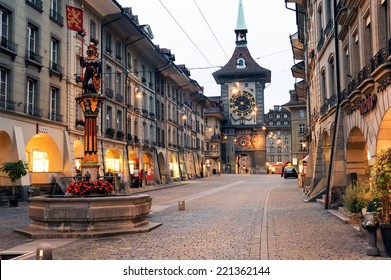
x=92, y=65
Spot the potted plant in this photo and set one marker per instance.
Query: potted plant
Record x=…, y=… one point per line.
x=14, y=171
x=355, y=199
x=381, y=187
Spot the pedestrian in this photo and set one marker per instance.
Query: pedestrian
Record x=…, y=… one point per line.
x=136, y=178
x=141, y=177
x=109, y=176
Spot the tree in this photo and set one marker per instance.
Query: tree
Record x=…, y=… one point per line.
x=14, y=171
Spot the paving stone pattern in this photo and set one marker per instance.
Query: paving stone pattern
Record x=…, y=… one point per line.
x=220, y=225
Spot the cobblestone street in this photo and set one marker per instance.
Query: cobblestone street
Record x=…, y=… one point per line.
x=224, y=219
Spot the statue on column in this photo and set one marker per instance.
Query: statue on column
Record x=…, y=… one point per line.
x=92, y=65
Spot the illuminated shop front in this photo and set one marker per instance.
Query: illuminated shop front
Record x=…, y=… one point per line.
x=113, y=160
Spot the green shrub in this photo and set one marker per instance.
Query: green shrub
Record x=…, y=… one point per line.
x=356, y=197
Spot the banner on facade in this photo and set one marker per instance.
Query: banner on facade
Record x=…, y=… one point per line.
x=74, y=18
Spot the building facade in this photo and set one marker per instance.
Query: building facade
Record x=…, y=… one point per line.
x=278, y=140
x=347, y=76
x=152, y=117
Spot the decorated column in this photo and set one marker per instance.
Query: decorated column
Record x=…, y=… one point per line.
x=90, y=102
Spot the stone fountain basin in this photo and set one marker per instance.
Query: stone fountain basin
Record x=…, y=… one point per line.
x=89, y=216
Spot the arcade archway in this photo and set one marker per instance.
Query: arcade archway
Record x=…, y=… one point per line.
x=357, y=155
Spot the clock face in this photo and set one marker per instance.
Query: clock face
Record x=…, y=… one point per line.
x=242, y=104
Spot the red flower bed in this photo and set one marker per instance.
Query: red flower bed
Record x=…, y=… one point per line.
x=81, y=188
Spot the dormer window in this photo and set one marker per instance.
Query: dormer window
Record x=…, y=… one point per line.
x=241, y=63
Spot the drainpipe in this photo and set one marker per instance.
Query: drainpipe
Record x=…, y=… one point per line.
x=336, y=119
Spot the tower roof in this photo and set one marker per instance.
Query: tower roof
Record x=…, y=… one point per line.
x=252, y=71
x=241, y=66
x=240, y=23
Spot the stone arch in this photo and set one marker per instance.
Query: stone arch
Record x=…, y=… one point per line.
x=133, y=162
x=113, y=160
x=383, y=140
x=162, y=164
x=78, y=153
x=356, y=154
x=43, y=154
x=326, y=147
x=243, y=163
x=148, y=167
x=7, y=153
x=173, y=166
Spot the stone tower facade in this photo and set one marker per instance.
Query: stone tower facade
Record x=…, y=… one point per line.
x=242, y=83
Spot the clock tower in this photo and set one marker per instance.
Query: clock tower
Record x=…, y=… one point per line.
x=242, y=83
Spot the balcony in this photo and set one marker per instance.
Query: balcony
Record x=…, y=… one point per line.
x=365, y=83
x=109, y=92
x=300, y=89
x=381, y=65
x=328, y=28
x=297, y=47
x=7, y=104
x=33, y=58
x=35, y=112
x=212, y=154
x=110, y=132
x=342, y=12
x=55, y=117
x=56, y=17
x=323, y=110
x=320, y=44
x=332, y=101
x=56, y=69
x=119, y=97
x=36, y=4
x=120, y=135
x=298, y=70
x=9, y=47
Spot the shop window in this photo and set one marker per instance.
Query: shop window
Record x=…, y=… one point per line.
x=40, y=162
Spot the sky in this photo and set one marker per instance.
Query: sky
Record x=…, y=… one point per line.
x=201, y=35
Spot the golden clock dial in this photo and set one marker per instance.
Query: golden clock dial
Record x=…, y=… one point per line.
x=242, y=103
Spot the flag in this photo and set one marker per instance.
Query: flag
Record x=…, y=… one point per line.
x=74, y=18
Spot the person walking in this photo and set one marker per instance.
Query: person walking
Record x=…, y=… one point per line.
x=141, y=177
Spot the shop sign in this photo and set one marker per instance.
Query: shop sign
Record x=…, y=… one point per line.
x=368, y=103
x=42, y=129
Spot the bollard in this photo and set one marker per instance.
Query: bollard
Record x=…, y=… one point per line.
x=372, y=249
x=181, y=205
x=44, y=252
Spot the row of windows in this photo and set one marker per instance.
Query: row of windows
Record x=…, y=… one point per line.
x=32, y=98
x=33, y=42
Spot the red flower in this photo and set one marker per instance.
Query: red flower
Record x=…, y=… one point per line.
x=81, y=188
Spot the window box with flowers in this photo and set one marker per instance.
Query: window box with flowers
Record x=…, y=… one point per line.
x=120, y=135
x=79, y=123
x=110, y=132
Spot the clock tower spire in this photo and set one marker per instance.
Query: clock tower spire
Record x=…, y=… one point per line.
x=241, y=30
x=242, y=81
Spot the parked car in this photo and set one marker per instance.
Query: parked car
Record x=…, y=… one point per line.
x=290, y=172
